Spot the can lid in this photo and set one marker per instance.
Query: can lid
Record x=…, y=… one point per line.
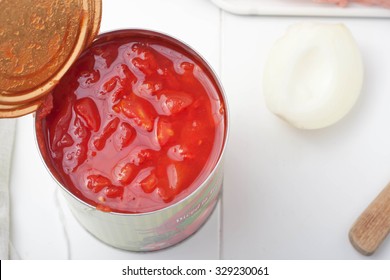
x=39, y=41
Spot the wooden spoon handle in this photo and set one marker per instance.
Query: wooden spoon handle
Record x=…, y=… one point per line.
x=373, y=225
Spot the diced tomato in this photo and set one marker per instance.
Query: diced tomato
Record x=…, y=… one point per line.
x=139, y=112
x=143, y=156
x=86, y=108
x=109, y=85
x=169, y=78
x=187, y=76
x=77, y=153
x=80, y=131
x=103, y=208
x=124, y=173
x=187, y=66
x=138, y=157
x=81, y=154
x=74, y=156
x=108, y=130
x=180, y=153
x=88, y=78
x=117, y=95
x=125, y=135
x=113, y=191
x=137, y=47
x=173, y=102
x=97, y=182
x=166, y=194
x=179, y=175
x=164, y=131
x=172, y=176
x=105, y=55
x=148, y=89
x=146, y=62
x=149, y=184
x=60, y=125
x=66, y=141
x=126, y=76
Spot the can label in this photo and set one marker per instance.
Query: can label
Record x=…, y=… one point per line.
x=186, y=221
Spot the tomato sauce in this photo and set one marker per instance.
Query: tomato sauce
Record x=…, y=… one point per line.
x=135, y=125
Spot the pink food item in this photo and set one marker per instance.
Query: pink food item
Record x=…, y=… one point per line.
x=343, y=3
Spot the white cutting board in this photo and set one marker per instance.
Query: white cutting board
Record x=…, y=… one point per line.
x=299, y=8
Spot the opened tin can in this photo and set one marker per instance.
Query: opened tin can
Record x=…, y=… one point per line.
x=134, y=134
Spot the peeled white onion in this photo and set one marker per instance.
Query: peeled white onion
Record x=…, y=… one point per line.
x=314, y=75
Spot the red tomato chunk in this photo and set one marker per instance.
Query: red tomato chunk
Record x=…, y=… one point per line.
x=134, y=126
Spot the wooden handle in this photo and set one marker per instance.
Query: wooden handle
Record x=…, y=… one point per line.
x=373, y=225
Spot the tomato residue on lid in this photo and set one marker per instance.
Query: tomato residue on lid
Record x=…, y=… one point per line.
x=137, y=124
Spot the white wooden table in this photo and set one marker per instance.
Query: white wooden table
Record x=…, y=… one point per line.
x=288, y=194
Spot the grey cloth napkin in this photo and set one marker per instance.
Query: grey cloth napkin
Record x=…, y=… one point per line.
x=7, y=135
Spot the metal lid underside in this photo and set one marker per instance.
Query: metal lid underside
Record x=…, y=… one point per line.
x=39, y=41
